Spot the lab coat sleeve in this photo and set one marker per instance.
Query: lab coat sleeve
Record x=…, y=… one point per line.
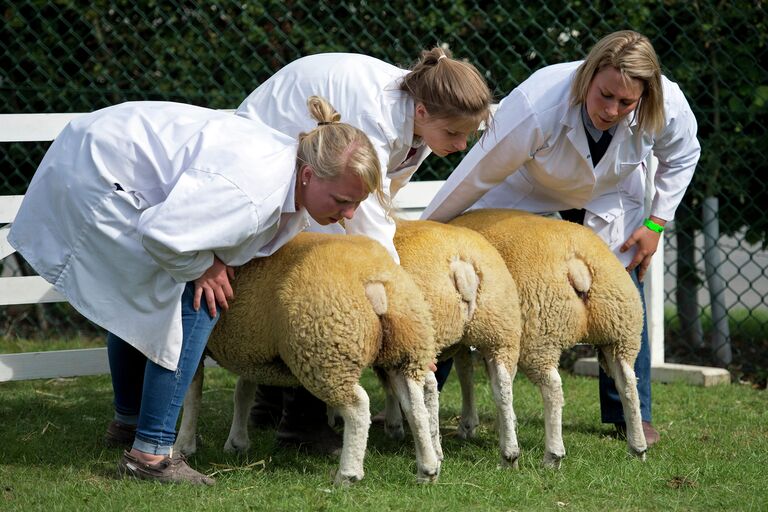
x=678, y=151
x=204, y=212
x=510, y=141
x=372, y=220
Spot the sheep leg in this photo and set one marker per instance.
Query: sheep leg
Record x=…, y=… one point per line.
x=393, y=416
x=501, y=384
x=186, y=439
x=357, y=421
x=411, y=396
x=552, y=394
x=431, y=400
x=469, y=418
x=243, y=398
x=623, y=375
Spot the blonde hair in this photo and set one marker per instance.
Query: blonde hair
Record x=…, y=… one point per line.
x=633, y=55
x=447, y=87
x=334, y=148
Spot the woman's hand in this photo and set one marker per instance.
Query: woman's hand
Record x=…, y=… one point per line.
x=215, y=282
x=647, y=242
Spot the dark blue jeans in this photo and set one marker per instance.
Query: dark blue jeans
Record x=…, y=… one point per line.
x=150, y=396
x=610, y=404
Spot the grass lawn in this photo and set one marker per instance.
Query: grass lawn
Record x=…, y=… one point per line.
x=712, y=456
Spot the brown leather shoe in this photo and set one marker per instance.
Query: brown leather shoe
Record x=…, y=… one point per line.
x=650, y=433
x=119, y=435
x=171, y=470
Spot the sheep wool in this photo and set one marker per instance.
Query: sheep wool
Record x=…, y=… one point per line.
x=316, y=313
x=572, y=290
x=474, y=303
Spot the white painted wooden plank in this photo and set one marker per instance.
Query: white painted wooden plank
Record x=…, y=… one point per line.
x=9, y=206
x=59, y=363
x=33, y=127
x=27, y=290
x=56, y=363
x=417, y=194
x=5, y=248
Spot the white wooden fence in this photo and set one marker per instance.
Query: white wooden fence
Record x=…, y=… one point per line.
x=410, y=201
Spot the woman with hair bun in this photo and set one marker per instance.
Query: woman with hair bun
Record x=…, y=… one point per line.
x=138, y=214
x=432, y=108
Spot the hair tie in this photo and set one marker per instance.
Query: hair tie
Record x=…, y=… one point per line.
x=323, y=123
x=443, y=56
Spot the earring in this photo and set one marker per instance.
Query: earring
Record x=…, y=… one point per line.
x=304, y=183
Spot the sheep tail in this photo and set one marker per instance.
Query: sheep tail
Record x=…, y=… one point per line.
x=579, y=277
x=377, y=296
x=467, y=282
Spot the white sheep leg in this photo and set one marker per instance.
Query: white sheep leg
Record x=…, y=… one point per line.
x=501, y=384
x=186, y=439
x=432, y=402
x=393, y=416
x=357, y=421
x=624, y=377
x=411, y=396
x=469, y=418
x=243, y=398
x=552, y=394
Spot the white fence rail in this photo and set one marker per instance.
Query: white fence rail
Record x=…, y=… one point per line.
x=410, y=201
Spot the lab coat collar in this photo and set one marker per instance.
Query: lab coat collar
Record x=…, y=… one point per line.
x=394, y=94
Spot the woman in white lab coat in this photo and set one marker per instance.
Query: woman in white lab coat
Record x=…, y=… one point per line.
x=574, y=138
x=407, y=114
x=137, y=214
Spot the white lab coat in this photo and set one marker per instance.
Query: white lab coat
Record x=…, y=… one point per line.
x=133, y=201
x=365, y=91
x=535, y=157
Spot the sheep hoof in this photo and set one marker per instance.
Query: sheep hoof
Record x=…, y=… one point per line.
x=427, y=477
x=552, y=461
x=232, y=446
x=187, y=448
x=395, y=431
x=509, y=461
x=467, y=429
x=640, y=454
x=343, y=480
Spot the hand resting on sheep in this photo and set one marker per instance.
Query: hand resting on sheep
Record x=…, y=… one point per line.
x=572, y=290
x=473, y=300
x=316, y=313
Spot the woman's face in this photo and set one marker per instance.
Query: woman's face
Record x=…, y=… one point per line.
x=443, y=135
x=329, y=200
x=610, y=98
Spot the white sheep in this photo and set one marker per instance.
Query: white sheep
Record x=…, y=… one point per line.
x=572, y=290
x=315, y=314
x=474, y=303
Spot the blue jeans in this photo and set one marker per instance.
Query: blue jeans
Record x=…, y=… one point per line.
x=611, y=410
x=150, y=396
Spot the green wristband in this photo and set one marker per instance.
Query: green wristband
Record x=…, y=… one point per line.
x=658, y=228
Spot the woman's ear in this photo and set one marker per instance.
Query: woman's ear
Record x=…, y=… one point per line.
x=306, y=174
x=421, y=111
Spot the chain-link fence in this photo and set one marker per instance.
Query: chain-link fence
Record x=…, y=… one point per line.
x=65, y=56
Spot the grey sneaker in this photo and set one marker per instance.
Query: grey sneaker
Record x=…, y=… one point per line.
x=119, y=435
x=171, y=470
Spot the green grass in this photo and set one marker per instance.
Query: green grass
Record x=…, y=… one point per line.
x=712, y=456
